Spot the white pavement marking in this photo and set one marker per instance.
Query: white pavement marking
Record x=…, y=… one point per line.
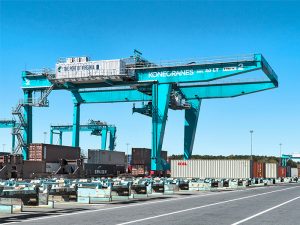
x=267, y=210
x=139, y=204
x=199, y=207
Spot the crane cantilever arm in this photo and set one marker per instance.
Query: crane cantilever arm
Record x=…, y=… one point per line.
x=203, y=71
x=224, y=90
x=269, y=71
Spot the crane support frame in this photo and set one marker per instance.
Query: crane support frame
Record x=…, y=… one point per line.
x=194, y=80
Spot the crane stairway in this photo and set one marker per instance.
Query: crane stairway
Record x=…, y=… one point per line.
x=18, y=112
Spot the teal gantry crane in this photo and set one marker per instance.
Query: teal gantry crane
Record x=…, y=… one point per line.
x=285, y=158
x=159, y=86
x=97, y=128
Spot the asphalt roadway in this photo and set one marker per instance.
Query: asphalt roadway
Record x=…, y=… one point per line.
x=266, y=205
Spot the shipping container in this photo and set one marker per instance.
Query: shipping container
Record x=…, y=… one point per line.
x=271, y=170
x=52, y=153
x=142, y=156
x=4, y=158
x=106, y=157
x=199, y=168
x=98, y=170
x=33, y=168
x=140, y=170
x=12, y=159
x=281, y=171
x=288, y=171
x=78, y=68
x=258, y=170
x=294, y=172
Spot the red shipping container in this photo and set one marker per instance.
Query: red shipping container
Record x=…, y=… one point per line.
x=281, y=171
x=52, y=153
x=138, y=170
x=258, y=170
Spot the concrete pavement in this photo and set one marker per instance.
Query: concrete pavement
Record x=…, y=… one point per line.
x=266, y=205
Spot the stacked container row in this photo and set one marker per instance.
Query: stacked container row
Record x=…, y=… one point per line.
x=229, y=169
x=211, y=168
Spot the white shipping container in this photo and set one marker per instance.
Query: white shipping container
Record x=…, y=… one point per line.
x=106, y=157
x=294, y=172
x=199, y=168
x=84, y=69
x=271, y=170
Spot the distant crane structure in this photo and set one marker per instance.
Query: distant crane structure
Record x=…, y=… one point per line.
x=287, y=157
x=159, y=86
x=97, y=128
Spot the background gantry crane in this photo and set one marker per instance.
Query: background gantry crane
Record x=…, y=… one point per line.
x=96, y=127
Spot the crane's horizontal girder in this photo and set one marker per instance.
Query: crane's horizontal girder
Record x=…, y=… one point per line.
x=181, y=73
x=189, y=92
x=5, y=123
x=83, y=127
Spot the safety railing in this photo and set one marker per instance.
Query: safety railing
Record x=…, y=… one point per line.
x=39, y=72
x=197, y=61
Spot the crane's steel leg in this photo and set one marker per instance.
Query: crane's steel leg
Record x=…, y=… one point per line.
x=190, y=126
x=60, y=137
x=103, y=138
x=51, y=137
x=13, y=141
x=76, y=125
x=112, y=138
x=160, y=105
x=27, y=133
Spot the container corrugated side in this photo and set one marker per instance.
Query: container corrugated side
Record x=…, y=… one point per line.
x=91, y=169
x=102, y=170
x=258, y=170
x=52, y=153
x=106, y=157
x=210, y=168
x=90, y=69
x=288, y=171
x=31, y=168
x=143, y=156
x=271, y=170
x=281, y=171
x=294, y=172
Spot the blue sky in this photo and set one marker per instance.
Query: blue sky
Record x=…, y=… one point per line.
x=35, y=34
